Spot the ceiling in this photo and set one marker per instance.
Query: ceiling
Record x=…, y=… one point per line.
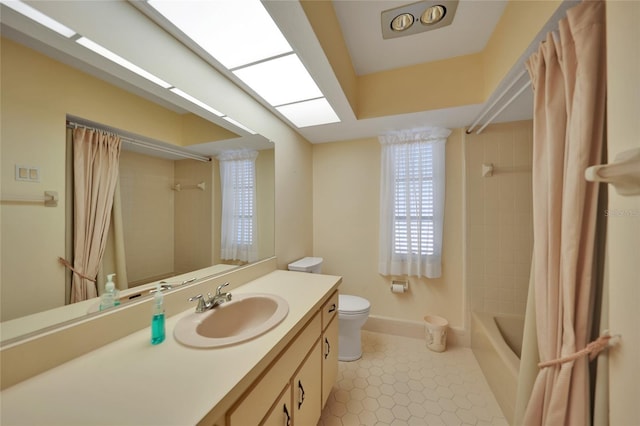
x=472, y=26
x=369, y=53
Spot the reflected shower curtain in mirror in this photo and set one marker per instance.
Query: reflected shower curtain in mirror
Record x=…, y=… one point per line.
x=239, y=239
x=114, y=258
x=569, y=82
x=95, y=168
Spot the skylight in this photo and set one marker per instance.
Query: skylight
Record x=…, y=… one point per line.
x=280, y=81
x=241, y=35
x=309, y=113
x=236, y=32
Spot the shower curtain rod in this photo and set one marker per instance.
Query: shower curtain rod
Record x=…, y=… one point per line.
x=144, y=144
x=499, y=98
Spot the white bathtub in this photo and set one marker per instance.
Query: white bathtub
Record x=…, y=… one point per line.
x=496, y=341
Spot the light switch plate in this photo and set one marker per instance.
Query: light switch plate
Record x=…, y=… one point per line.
x=27, y=173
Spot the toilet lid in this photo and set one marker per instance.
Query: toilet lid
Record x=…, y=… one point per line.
x=352, y=304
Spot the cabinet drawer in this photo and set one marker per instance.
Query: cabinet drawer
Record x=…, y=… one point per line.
x=329, y=309
x=255, y=404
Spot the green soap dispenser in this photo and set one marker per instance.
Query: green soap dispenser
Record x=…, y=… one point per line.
x=157, y=318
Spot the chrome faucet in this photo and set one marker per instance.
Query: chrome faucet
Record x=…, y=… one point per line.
x=211, y=301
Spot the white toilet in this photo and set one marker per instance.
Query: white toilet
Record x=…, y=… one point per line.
x=352, y=313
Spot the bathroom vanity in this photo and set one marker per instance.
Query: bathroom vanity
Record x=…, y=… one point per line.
x=284, y=374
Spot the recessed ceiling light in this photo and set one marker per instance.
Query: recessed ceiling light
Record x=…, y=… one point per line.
x=280, y=81
x=309, y=113
x=402, y=22
x=433, y=15
x=235, y=32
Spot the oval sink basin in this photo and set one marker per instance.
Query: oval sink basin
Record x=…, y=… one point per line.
x=245, y=317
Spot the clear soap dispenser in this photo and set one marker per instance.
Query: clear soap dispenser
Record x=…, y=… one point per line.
x=108, y=298
x=157, y=318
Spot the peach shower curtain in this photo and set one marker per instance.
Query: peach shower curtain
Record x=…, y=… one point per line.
x=568, y=76
x=95, y=168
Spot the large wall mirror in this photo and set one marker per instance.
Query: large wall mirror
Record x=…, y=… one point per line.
x=170, y=205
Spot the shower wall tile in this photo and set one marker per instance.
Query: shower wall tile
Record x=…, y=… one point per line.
x=499, y=217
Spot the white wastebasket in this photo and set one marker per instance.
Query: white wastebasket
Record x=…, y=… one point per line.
x=436, y=332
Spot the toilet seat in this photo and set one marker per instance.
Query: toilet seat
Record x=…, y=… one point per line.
x=352, y=305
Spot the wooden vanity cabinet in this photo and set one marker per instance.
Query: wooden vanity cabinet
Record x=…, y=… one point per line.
x=295, y=387
x=307, y=389
x=329, y=345
x=282, y=411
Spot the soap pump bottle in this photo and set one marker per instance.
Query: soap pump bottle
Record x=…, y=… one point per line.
x=157, y=318
x=108, y=298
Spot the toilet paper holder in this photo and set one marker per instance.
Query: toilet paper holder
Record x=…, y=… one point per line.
x=403, y=283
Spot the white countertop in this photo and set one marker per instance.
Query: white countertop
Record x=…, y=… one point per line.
x=131, y=382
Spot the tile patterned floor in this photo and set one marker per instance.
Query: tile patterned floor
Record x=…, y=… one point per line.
x=398, y=381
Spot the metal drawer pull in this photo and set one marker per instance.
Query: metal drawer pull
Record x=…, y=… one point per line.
x=300, y=394
x=287, y=419
x=332, y=308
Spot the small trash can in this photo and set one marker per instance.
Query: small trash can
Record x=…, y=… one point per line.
x=436, y=332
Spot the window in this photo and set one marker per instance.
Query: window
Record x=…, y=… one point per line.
x=238, y=230
x=412, y=202
x=413, y=230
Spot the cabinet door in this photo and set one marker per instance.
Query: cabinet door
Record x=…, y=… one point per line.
x=281, y=413
x=307, y=389
x=329, y=358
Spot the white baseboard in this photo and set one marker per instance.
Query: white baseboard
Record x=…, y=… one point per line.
x=399, y=327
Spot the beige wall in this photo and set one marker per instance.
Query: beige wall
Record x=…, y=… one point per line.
x=265, y=200
x=194, y=216
x=346, y=182
x=623, y=228
x=499, y=217
x=148, y=215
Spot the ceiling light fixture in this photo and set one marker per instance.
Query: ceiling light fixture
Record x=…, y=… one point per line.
x=39, y=17
x=250, y=46
x=309, y=113
x=433, y=15
x=235, y=33
x=402, y=21
x=280, y=80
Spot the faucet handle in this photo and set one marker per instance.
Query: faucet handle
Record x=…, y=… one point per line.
x=220, y=287
x=201, y=302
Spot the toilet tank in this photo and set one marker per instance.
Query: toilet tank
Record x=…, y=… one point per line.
x=307, y=264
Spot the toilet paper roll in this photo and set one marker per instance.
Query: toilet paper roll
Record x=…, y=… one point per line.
x=397, y=288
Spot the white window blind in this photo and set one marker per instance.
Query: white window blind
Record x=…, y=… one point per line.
x=238, y=227
x=412, y=202
x=413, y=231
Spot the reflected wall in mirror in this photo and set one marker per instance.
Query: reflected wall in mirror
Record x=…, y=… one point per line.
x=38, y=94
